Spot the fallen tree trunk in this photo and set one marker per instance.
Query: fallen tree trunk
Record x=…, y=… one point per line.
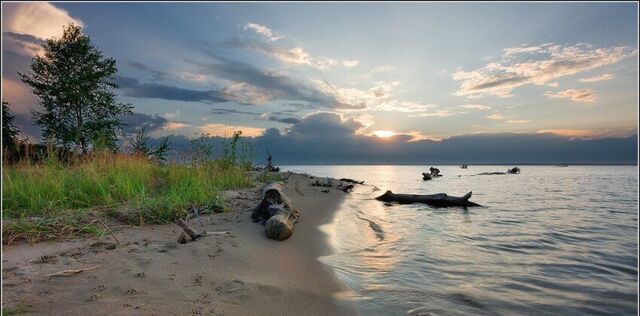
x=351, y=181
x=276, y=212
x=437, y=200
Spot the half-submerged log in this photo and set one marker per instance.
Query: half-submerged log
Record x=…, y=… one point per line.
x=437, y=200
x=514, y=170
x=433, y=173
x=351, y=181
x=276, y=212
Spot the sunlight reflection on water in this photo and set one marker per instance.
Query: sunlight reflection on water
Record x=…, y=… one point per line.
x=548, y=241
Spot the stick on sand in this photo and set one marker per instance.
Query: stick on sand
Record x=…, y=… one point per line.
x=71, y=272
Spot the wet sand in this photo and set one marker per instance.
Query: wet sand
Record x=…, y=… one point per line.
x=240, y=273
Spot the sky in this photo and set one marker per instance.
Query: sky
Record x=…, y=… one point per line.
x=386, y=82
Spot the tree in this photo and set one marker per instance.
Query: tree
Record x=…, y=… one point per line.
x=9, y=130
x=76, y=87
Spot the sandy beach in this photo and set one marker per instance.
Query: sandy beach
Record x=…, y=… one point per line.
x=240, y=273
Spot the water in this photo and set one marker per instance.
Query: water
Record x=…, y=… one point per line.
x=551, y=240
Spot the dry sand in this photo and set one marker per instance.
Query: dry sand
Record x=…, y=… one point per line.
x=149, y=273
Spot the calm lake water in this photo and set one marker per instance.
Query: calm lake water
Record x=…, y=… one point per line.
x=549, y=241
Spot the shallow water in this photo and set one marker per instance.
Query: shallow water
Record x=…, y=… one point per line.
x=551, y=240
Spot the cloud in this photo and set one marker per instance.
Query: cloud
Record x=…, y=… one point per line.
x=588, y=133
x=536, y=65
x=39, y=19
x=496, y=116
x=517, y=121
x=578, y=95
x=382, y=69
x=597, y=78
x=436, y=113
x=21, y=44
x=279, y=86
x=290, y=56
x=264, y=31
x=223, y=130
x=350, y=63
x=171, y=126
x=274, y=118
x=133, y=88
x=476, y=107
x=137, y=121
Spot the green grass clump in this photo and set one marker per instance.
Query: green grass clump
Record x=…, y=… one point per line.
x=134, y=188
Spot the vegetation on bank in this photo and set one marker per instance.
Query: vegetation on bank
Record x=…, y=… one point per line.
x=55, y=199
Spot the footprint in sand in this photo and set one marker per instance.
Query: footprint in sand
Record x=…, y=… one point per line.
x=231, y=287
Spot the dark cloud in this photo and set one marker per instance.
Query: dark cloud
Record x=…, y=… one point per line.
x=233, y=111
x=134, y=123
x=155, y=74
x=281, y=86
x=326, y=138
x=133, y=88
x=288, y=119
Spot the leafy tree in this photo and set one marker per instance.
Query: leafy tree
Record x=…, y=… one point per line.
x=9, y=130
x=76, y=87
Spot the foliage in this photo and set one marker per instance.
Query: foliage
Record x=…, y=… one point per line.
x=202, y=150
x=76, y=87
x=9, y=131
x=268, y=177
x=134, y=188
x=140, y=145
x=239, y=151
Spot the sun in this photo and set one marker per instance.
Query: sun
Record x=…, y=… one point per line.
x=384, y=134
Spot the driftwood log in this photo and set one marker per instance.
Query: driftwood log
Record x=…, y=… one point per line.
x=433, y=173
x=276, y=212
x=351, y=181
x=437, y=200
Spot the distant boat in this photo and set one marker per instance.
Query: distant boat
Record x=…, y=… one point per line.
x=464, y=167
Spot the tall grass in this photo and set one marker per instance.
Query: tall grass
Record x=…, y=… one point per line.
x=133, y=187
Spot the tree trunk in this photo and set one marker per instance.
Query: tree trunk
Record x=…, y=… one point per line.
x=276, y=212
x=437, y=200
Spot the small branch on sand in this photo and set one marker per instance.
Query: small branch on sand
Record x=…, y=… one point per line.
x=187, y=229
x=66, y=273
x=108, y=229
x=191, y=233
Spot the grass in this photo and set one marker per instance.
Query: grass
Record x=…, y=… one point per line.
x=50, y=198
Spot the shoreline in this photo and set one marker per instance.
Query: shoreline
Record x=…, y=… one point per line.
x=241, y=273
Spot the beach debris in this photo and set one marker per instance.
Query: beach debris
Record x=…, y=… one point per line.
x=433, y=173
x=270, y=166
x=437, y=200
x=108, y=229
x=276, y=212
x=351, y=181
x=514, y=170
x=66, y=273
x=188, y=231
x=317, y=183
x=346, y=188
